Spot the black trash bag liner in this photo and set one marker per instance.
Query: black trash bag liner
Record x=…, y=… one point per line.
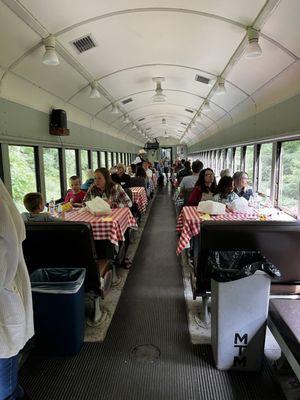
x=57, y=280
x=226, y=266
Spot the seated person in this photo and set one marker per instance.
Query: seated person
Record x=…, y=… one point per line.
x=186, y=171
x=224, y=192
x=120, y=177
x=90, y=179
x=108, y=190
x=75, y=195
x=188, y=182
x=35, y=205
x=225, y=172
x=140, y=178
x=241, y=185
x=204, y=189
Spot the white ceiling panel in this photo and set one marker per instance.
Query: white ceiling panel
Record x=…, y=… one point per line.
x=59, y=14
x=176, y=38
x=127, y=82
x=283, y=25
x=16, y=38
x=61, y=80
x=251, y=74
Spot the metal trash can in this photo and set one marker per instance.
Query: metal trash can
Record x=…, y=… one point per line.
x=239, y=309
x=58, y=306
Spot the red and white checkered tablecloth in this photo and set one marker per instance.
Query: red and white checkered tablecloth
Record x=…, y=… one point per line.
x=112, y=229
x=189, y=220
x=139, y=197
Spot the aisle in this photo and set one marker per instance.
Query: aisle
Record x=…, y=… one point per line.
x=147, y=352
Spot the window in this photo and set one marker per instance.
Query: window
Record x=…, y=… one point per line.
x=265, y=169
x=289, y=176
x=23, y=173
x=229, y=160
x=52, y=170
x=70, y=163
x=102, y=159
x=95, y=159
x=114, y=159
x=249, y=162
x=109, y=160
x=237, y=159
x=84, y=161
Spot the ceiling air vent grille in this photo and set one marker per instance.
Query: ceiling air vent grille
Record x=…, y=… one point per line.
x=127, y=101
x=202, y=79
x=141, y=119
x=83, y=44
x=190, y=111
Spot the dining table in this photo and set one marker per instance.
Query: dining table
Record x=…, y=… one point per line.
x=189, y=221
x=139, y=196
x=110, y=227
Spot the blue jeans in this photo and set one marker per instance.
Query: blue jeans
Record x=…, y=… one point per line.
x=9, y=389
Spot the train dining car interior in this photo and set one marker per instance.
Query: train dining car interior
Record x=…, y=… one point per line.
x=149, y=200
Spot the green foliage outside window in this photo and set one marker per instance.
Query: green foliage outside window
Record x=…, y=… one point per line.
x=265, y=169
x=290, y=176
x=52, y=170
x=84, y=162
x=23, y=174
x=70, y=163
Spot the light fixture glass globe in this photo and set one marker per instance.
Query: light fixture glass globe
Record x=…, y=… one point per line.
x=206, y=107
x=159, y=97
x=114, y=110
x=253, y=49
x=50, y=57
x=221, y=89
x=94, y=93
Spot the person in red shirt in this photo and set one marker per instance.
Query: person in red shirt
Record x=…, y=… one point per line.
x=204, y=189
x=75, y=195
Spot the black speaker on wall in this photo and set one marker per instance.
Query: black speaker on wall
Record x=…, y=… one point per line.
x=58, y=123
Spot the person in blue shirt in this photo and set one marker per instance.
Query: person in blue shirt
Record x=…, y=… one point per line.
x=224, y=192
x=241, y=185
x=35, y=205
x=90, y=180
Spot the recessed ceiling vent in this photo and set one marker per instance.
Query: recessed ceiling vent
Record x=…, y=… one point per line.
x=141, y=119
x=126, y=101
x=83, y=44
x=202, y=79
x=190, y=111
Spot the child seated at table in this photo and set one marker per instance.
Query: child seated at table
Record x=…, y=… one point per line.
x=35, y=205
x=224, y=192
x=75, y=195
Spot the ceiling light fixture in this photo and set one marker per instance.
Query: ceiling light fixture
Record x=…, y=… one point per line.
x=94, y=94
x=253, y=49
x=159, y=97
x=206, y=106
x=198, y=117
x=126, y=120
x=114, y=109
x=50, y=56
x=221, y=87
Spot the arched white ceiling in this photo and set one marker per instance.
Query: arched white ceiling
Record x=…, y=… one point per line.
x=136, y=41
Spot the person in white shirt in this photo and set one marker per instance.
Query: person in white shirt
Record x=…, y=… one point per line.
x=16, y=315
x=188, y=182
